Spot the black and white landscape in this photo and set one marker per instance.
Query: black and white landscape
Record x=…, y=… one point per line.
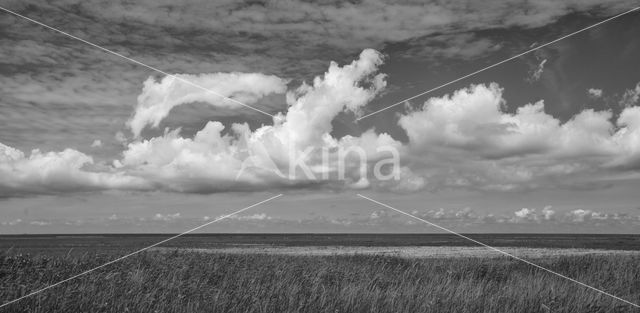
x=319, y=156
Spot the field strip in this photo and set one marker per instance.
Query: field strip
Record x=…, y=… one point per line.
x=137, y=62
x=136, y=252
x=500, y=251
x=496, y=64
x=411, y=252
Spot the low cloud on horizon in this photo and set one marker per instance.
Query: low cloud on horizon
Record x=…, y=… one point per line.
x=378, y=221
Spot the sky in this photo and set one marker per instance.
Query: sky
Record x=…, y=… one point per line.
x=94, y=143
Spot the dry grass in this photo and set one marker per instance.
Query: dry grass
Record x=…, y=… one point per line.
x=194, y=282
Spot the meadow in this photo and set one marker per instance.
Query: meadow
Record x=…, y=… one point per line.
x=198, y=282
x=177, y=280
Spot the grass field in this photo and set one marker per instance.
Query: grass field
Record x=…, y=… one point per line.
x=175, y=279
x=199, y=282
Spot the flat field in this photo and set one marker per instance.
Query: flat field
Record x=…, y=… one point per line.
x=177, y=278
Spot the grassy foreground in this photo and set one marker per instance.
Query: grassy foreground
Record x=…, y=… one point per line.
x=193, y=282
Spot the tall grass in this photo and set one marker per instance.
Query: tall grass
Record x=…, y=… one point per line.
x=193, y=282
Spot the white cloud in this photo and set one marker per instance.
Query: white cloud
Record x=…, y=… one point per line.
x=472, y=120
x=548, y=213
x=526, y=214
x=530, y=215
x=462, y=140
x=96, y=143
x=253, y=217
x=166, y=217
x=466, y=139
x=40, y=223
x=537, y=72
x=120, y=138
x=594, y=92
x=80, y=93
x=211, y=161
x=381, y=220
x=54, y=172
x=579, y=215
x=465, y=214
x=12, y=222
x=158, y=98
x=377, y=214
x=630, y=97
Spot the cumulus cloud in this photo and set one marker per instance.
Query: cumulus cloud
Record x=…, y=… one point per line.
x=526, y=214
x=576, y=216
x=546, y=217
x=166, y=217
x=79, y=92
x=252, y=217
x=289, y=152
x=297, y=150
x=473, y=120
x=464, y=219
x=470, y=136
x=594, y=92
x=530, y=215
x=12, y=222
x=581, y=215
x=54, y=172
x=463, y=140
x=159, y=97
x=548, y=213
x=630, y=97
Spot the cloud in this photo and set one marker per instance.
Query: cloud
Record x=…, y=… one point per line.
x=166, y=217
x=459, y=218
x=56, y=172
x=253, y=217
x=463, y=140
x=465, y=217
x=580, y=215
x=548, y=213
x=630, y=97
x=536, y=73
x=465, y=46
x=530, y=215
x=213, y=161
x=467, y=139
x=57, y=91
x=158, y=98
x=594, y=92
x=96, y=143
x=12, y=222
x=527, y=214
